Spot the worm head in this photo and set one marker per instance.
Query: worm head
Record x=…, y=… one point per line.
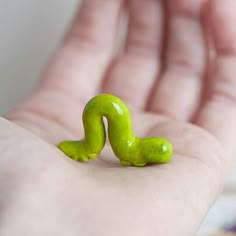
x=156, y=150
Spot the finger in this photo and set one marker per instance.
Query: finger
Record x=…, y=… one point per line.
x=132, y=75
x=79, y=65
x=76, y=70
x=219, y=112
x=178, y=93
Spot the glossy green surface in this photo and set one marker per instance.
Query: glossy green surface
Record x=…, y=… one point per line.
x=129, y=149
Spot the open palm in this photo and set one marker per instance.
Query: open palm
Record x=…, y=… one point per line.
x=175, y=90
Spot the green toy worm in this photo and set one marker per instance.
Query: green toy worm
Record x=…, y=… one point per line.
x=129, y=149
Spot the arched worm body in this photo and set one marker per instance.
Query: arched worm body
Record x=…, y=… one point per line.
x=130, y=149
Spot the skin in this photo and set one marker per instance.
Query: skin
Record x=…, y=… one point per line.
x=45, y=193
x=128, y=148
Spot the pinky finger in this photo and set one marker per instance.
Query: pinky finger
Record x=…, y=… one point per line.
x=218, y=115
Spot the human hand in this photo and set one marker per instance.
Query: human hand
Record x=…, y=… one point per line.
x=45, y=193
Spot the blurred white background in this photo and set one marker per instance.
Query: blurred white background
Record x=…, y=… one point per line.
x=29, y=32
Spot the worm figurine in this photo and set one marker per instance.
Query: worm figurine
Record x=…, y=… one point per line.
x=130, y=149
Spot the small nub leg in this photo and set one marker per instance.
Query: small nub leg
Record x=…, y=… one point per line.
x=139, y=164
x=124, y=163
